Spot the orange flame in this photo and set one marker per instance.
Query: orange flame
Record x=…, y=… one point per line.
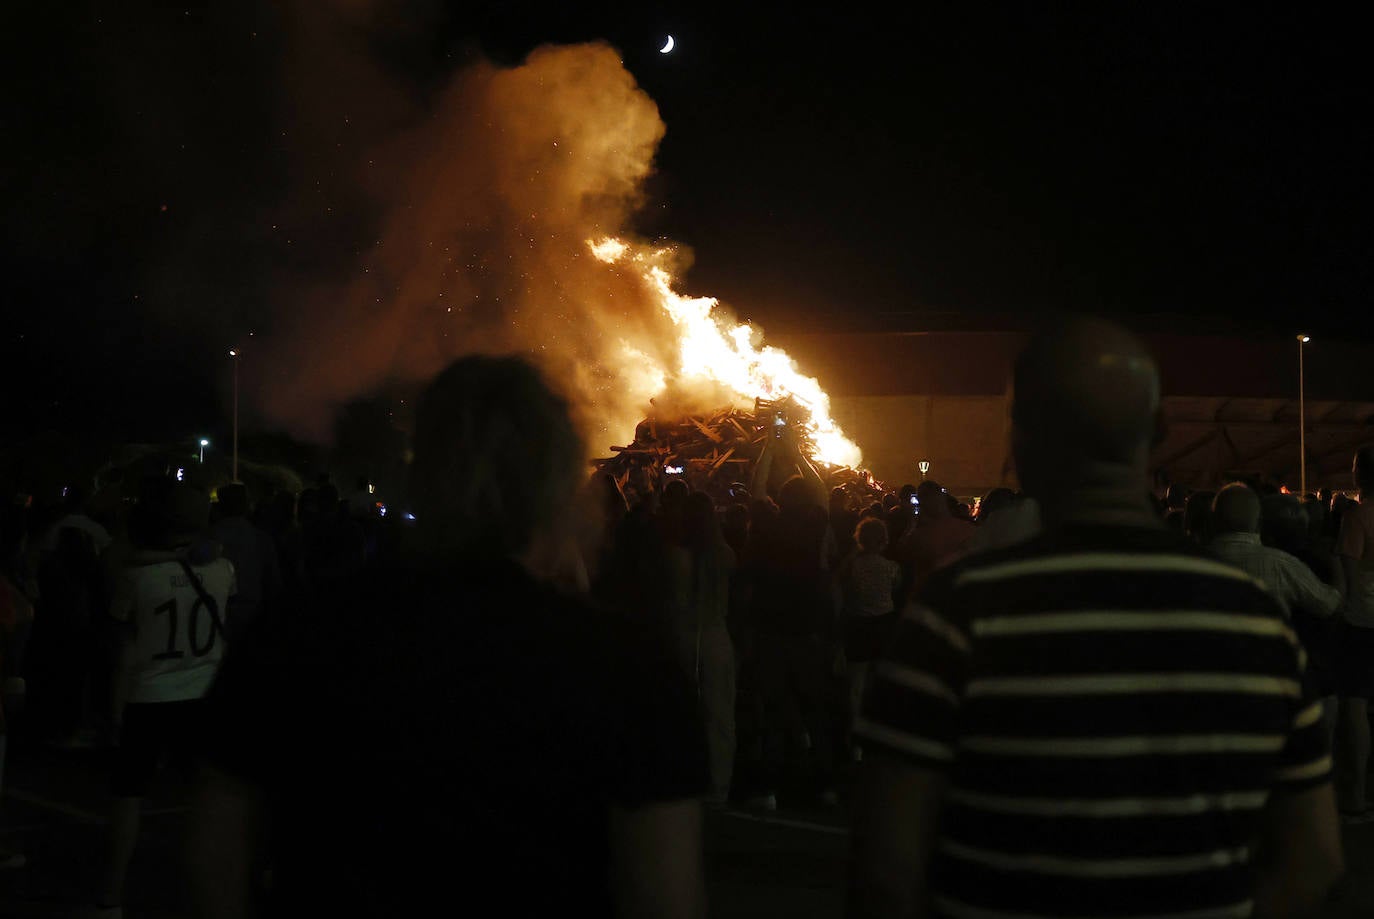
x=711, y=349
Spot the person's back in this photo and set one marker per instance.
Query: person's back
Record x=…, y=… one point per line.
x=335, y=546
x=179, y=638
x=1133, y=708
x=1106, y=721
x=75, y=517
x=498, y=719
x=480, y=735
x=1235, y=522
x=842, y=522
x=938, y=538
x=253, y=555
x=791, y=594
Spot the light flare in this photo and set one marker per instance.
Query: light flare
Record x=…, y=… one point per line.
x=710, y=349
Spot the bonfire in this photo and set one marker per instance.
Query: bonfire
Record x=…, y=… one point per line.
x=715, y=451
x=711, y=451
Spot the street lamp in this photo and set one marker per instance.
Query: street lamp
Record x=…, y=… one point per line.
x=234, y=357
x=1302, y=419
x=924, y=466
x=203, y=444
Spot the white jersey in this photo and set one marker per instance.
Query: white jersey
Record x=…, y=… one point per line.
x=178, y=643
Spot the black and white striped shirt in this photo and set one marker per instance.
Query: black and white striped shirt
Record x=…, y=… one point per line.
x=1113, y=708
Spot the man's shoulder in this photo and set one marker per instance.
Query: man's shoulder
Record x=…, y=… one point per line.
x=1107, y=555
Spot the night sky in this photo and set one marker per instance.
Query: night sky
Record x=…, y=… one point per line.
x=167, y=171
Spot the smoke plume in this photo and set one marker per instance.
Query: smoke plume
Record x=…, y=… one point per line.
x=487, y=202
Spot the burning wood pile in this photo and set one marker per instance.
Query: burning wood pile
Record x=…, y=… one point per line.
x=712, y=452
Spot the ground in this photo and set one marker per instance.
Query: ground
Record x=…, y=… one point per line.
x=785, y=863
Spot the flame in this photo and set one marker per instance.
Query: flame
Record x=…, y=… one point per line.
x=711, y=349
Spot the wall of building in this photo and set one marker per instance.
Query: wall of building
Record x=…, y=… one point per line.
x=965, y=438
x=1230, y=405
x=1205, y=441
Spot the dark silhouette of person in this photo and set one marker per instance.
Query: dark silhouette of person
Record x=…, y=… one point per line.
x=1038, y=705
x=504, y=743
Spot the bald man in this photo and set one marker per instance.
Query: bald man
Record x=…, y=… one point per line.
x=1236, y=513
x=1100, y=721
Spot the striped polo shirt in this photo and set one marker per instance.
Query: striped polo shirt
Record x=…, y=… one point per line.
x=1113, y=708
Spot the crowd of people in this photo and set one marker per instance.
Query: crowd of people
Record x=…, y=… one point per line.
x=1077, y=699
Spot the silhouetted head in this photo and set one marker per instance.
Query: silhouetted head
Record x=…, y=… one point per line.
x=994, y=501
x=794, y=496
x=871, y=534
x=327, y=500
x=308, y=504
x=701, y=527
x=934, y=502
x=675, y=495
x=233, y=500
x=1283, y=525
x=1236, y=509
x=496, y=458
x=168, y=515
x=1085, y=409
x=284, y=507
x=838, y=499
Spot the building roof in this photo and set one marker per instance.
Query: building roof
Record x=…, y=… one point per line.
x=969, y=363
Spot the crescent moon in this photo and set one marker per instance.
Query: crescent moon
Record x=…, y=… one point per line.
x=668, y=46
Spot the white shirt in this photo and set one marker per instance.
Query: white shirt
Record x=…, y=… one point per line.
x=870, y=585
x=177, y=644
x=1287, y=578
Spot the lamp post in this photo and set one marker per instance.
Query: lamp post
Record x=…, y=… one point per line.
x=924, y=466
x=1302, y=419
x=203, y=444
x=234, y=358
